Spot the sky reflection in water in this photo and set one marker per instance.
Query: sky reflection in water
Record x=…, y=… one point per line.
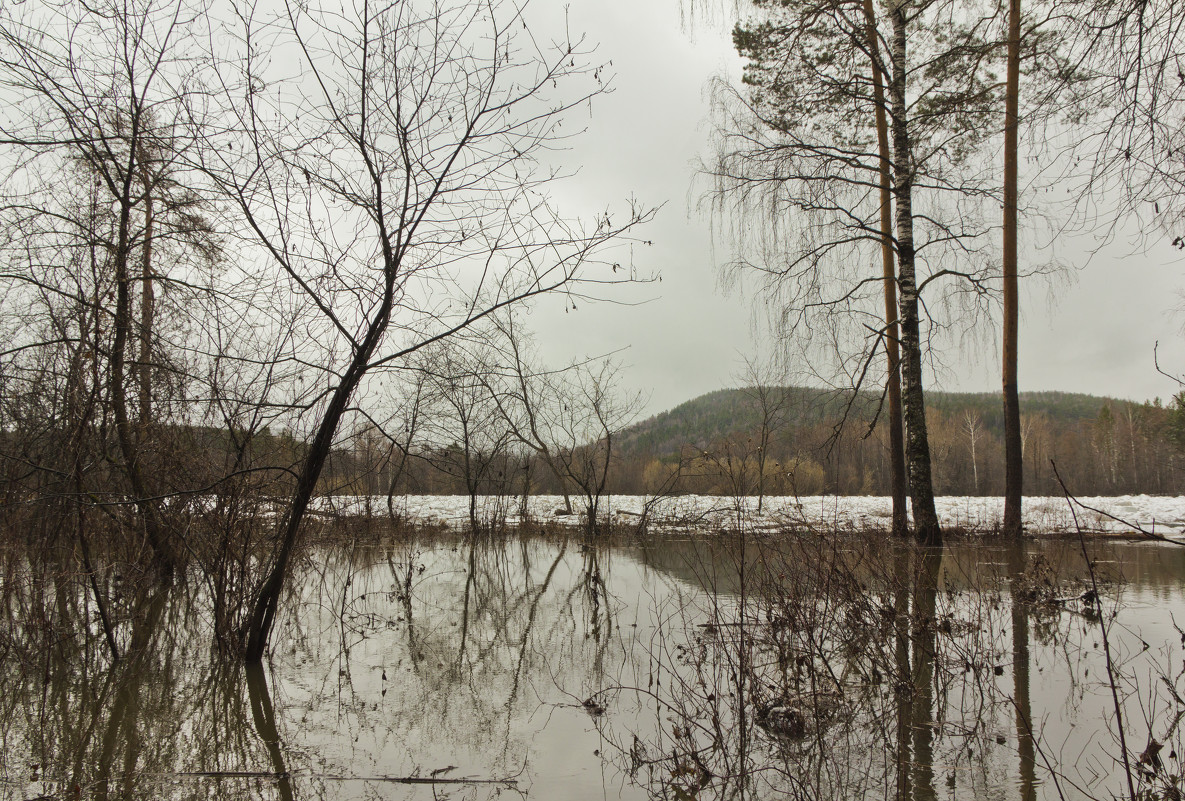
x=551, y=669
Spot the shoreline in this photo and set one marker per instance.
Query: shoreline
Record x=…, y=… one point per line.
x=1136, y=517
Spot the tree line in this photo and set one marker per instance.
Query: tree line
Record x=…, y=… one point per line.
x=808, y=442
x=1100, y=446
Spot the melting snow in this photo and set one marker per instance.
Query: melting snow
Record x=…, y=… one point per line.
x=1159, y=515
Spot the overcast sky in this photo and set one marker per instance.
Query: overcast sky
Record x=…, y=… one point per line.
x=1093, y=330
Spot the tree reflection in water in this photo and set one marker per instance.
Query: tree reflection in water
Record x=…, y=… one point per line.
x=419, y=670
x=880, y=670
x=708, y=668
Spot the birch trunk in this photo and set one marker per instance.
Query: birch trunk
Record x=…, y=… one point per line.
x=917, y=446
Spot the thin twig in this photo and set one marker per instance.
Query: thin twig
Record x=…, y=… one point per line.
x=1152, y=535
x=1127, y=768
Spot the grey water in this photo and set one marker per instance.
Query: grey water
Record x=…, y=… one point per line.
x=680, y=667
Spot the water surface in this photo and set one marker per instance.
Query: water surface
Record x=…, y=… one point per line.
x=684, y=667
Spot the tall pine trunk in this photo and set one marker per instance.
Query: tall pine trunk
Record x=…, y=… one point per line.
x=917, y=446
x=1026, y=746
x=1013, y=451
x=892, y=335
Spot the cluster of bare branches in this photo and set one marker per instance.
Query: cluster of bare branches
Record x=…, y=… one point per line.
x=484, y=413
x=227, y=224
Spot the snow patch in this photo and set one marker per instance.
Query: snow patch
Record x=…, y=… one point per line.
x=1161, y=515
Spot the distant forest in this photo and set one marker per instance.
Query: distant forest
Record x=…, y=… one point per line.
x=820, y=441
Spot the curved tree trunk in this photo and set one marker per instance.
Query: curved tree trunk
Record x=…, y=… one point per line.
x=264, y=716
x=267, y=601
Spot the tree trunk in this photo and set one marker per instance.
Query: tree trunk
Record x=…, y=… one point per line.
x=523, y=512
x=264, y=716
x=1026, y=747
x=762, y=449
x=924, y=637
x=903, y=675
x=267, y=602
x=917, y=446
x=122, y=323
x=1013, y=452
x=147, y=307
x=892, y=336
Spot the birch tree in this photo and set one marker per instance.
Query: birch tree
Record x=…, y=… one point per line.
x=800, y=143
x=973, y=426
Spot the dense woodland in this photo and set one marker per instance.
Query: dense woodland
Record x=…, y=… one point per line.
x=1101, y=446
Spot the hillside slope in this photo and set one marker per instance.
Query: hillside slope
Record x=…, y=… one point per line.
x=1101, y=445
x=709, y=417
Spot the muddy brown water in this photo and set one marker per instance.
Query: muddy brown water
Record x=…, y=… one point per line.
x=552, y=669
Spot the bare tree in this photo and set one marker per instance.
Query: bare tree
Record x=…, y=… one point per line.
x=1127, y=51
x=530, y=398
x=404, y=431
x=973, y=428
x=466, y=437
x=398, y=187
x=97, y=96
x=767, y=393
x=591, y=413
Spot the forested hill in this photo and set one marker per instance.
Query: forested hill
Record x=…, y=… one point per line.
x=1059, y=407
x=718, y=414
x=1101, y=445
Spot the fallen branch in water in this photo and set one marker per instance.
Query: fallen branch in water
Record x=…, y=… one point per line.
x=268, y=774
x=1073, y=500
x=412, y=779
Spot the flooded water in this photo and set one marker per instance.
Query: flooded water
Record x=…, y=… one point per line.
x=679, y=668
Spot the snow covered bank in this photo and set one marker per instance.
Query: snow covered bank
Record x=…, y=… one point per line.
x=1158, y=514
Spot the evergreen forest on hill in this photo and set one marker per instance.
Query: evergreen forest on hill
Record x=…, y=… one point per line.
x=711, y=445
x=1101, y=445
